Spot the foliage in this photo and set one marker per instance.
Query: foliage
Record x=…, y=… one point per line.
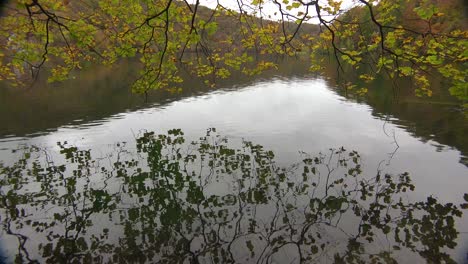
x=167, y=37
x=212, y=201
x=400, y=38
x=403, y=39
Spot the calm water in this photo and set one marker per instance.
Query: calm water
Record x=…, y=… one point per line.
x=287, y=112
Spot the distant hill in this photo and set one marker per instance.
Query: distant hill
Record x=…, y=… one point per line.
x=453, y=14
x=236, y=29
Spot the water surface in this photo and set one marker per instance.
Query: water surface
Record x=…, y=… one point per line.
x=287, y=112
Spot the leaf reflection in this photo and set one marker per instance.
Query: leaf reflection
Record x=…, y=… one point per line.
x=213, y=201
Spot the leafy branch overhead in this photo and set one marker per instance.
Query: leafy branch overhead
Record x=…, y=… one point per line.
x=402, y=39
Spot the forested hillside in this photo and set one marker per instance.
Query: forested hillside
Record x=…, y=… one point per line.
x=209, y=43
x=403, y=39
x=396, y=38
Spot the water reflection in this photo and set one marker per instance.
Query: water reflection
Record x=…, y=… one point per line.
x=439, y=117
x=214, y=200
x=102, y=95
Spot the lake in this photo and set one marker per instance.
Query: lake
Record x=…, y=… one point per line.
x=270, y=146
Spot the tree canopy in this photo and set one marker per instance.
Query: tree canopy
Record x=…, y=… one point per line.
x=402, y=39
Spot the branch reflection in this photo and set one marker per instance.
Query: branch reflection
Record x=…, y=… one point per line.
x=214, y=201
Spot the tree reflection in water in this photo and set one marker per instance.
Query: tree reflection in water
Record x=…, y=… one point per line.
x=211, y=201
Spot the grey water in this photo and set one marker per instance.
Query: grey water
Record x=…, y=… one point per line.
x=289, y=111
